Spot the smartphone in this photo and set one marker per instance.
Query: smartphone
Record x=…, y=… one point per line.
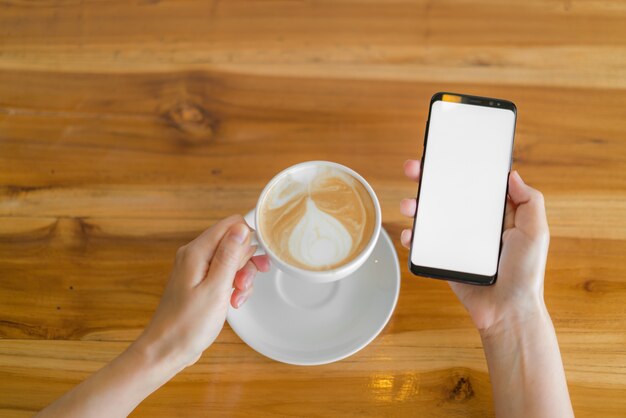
x=461, y=199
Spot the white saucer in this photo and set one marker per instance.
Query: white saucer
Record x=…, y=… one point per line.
x=297, y=322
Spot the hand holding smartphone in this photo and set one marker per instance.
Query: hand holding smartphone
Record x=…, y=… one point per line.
x=468, y=170
x=459, y=219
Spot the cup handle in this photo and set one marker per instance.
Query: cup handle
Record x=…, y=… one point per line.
x=254, y=240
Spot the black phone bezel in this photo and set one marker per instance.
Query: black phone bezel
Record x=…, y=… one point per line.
x=452, y=275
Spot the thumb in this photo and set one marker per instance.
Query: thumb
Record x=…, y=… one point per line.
x=519, y=191
x=231, y=249
x=530, y=214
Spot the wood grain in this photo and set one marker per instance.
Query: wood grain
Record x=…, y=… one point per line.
x=128, y=127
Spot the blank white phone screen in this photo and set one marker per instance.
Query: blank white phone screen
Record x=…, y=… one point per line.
x=461, y=204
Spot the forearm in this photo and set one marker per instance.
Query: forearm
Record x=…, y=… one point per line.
x=526, y=369
x=116, y=389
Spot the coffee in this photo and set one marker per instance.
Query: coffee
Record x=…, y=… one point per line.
x=317, y=218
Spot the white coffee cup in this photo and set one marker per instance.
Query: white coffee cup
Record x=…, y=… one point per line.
x=321, y=276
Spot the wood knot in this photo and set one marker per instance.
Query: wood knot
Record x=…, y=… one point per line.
x=192, y=120
x=73, y=234
x=480, y=62
x=14, y=190
x=462, y=390
x=86, y=229
x=589, y=285
x=604, y=287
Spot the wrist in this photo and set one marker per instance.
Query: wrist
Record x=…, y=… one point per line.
x=517, y=319
x=158, y=362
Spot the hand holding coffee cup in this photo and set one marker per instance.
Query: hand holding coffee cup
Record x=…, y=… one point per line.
x=317, y=220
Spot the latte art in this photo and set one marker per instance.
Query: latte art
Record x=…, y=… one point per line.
x=319, y=239
x=317, y=218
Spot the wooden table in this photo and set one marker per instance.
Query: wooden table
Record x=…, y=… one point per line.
x=126, y=128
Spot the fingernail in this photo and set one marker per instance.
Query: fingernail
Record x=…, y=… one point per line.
x=247, y=281
x=241, y=300
x=404, y=236
x=516, y=174
x=240, y=233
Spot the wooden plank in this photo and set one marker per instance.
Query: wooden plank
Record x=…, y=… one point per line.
x=199, y=123
x=369, y=384
x=128, y=260
x=538, y=42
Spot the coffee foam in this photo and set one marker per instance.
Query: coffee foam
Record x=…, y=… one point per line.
x=317, y=218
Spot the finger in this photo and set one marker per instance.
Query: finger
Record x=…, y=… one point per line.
x=239, y=297
x=405, y=238
x=209, y=239
x=245, y=276
x=407, y=207
x=530, y=211
x=412, y=169
x=194, y=257
x=225, y=263
x=521, y=193
x=262, y=263
x=247, y=256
